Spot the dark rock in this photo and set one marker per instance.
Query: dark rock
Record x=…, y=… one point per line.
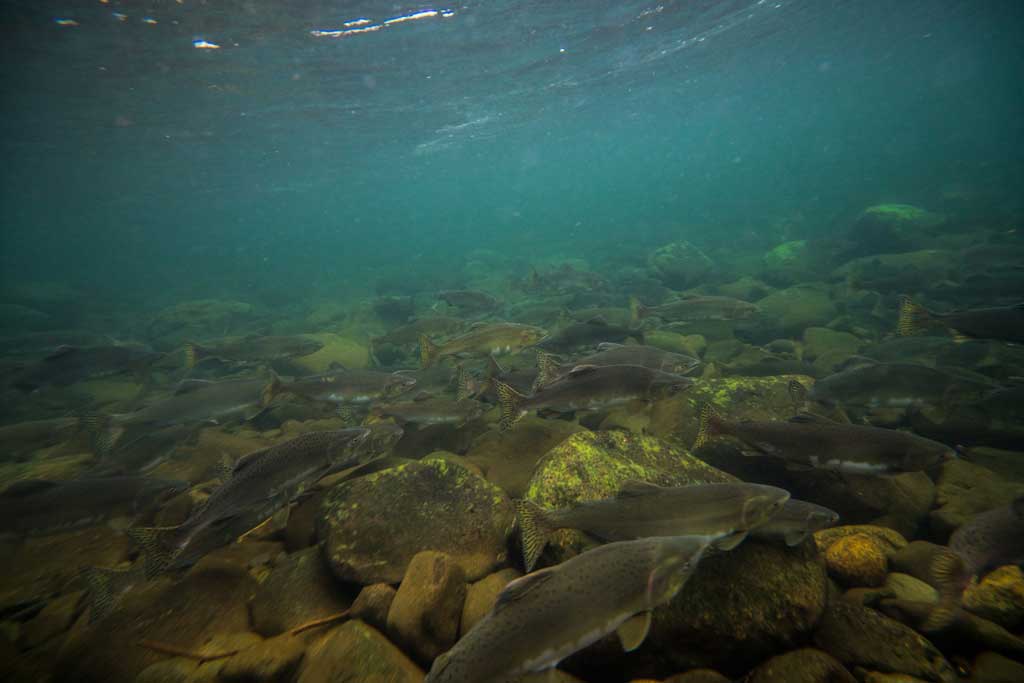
x=299, y=589
x=373, y=604
x=271, y=660
x=801, y=666
x=990, y=667
x=698, y=676
x=357, y=653
x=481, y=596
x=56, y=618
x=424, y=616
x=373, y=526
x=964, y=489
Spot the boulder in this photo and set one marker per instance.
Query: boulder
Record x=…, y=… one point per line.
x=906, y=587
x=698, y=676
x=964, y=489
x=357, y=653
x=373, y=526
x=861, y=637
x=342, y=351
x=266, y=662
x=373, y=604
x=741, y=607
x=999, y=597
x=680, y=265
x=857, y=560
x=991, y=667
x=806, y=665
x=299, y=589
x=481, y=596
x=686, y=344
x=424, y=616
x=787, y=312
x=200, y=319
x=893, y=228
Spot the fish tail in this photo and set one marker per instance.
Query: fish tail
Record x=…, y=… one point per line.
x=534, y=529
x=710, y=424
x=428, y=352
x=547, y=369
x=101, y=435
x=797, y=392
x=192, y=353
x=156, y=551
x=463, y=383
x=913, y=318
x=510, y=400
x=271, y=390
x=637, y=311
x=948, y=573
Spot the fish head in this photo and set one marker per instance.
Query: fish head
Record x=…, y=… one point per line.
x=926, y=455
x=679, y=364
x=675, y=561
x=764, y=504
x=822, y=519
x=667, y=384
x=399, y=383
x=379, y=440
x=530, y=336
x=304, y=346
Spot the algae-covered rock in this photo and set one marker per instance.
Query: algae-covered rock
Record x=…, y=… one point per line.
x=200, y=319
x=895, y=273
x=424, y=616
x=999, y=597
x=336, y=350
x=686, y=344
x=740, y=607
x=893, y=228
x=805, y=665
x=991, y=667
x=787, y=312
x=745, y=288
x=860, y=636
x=823, y=343
x=680, y=264
x=890, y=539
x=857, y=560
x=906, y=587
x=353, y=653
x=791, y=262
x=373, y=526
x=963, y=490
x=298, y=590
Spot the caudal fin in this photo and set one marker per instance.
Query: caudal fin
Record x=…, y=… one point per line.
x=464, y=385
x=510, y=399
x=534, y=530
x=192, y=353
x=709, y=426
x=914, y=318
x=949, y=576
x=100, y=433
x=428, y=352
x=157, y=549
x=105, y=587
x=637, y=311
x=547, y=370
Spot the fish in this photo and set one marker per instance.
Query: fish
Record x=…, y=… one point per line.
x=259, y=485
x=254, y=348
x=610, y=353
x=898, y=385
x=988, y=540
x=71, y=364
x=436, y=326
x=1005, y=323
x=590, y=387
x=722, y=513
x=696, y=308
x=796, y=522
x=430, y=410
x=21, y=438
x=543, y=617
x=588, y=333
x=809, y=441
x=37, y=507
x=351, y=386
x=482, y=339
x=105, y=588
x=468, y=300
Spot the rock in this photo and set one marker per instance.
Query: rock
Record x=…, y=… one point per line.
x=890, y=539
x=271, y=660
x=907, y=587
x=174, y=670
x=199, y=319
x=857, y=560
x=680, y=265
x=594, y=465
x=788, y=263
x=56, y=618
x=188, y=613
x=916, y=559
x=299, y=589
x=741, y=607
x=806, y=665
x=787, y=312
x=859, y=636
x=373, y=604
x=745, y=288
x=821, y=343
x=990, y=667
x=966, y=631
x=893, y=228
x=876, y=677
x=963, y=490
x=698, y=676
x=895, y=273
x=508, y=458
x=357, y=653
x=374, y=525
x=999, y=597
x=899, y=502
x=686, y=344
x=424, y=616
x=481, y=596
x=345, y=352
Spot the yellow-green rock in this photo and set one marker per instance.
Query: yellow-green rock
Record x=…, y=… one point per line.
x=999, y=597
x=857, y=560
x=891, y=539
x=341, y=350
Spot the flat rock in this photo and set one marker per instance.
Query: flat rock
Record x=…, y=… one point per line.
x=270, y=660
x=424, y=616
x=299, y=589
x=373, y=526
x=806, y=665
x=357, y=653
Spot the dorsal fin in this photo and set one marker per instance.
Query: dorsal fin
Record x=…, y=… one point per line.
x=520, y=587
x=478, y=324
x=597, y=320
x=62, y=350
x=581, y=370
x=810, y=418
x=608, y=346
x=27, y=487
x=494, y=368
x=189, y=385
x=635, y=487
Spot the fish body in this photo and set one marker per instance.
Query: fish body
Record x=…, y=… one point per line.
x=431, y=411
x=588, y=333
x=898, y=385
x=351, y=386
x=999, y=322
x=24, y=437
x=796, y=522
x=696, y=308
x=811, y=442
x=435, y=326
x=70, y=364
x=197, y=400
x=618, y=354
x=38, y=507
x=254, y=348
x=546, y=616
x=640, y=510
x=590, y=387
x=468, y=300
x=259, y=485
x=482, y=339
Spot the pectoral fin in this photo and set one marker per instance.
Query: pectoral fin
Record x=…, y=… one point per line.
x=731, y=541
x=634, y=630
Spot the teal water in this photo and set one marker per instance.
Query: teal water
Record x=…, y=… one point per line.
x=138, y=163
